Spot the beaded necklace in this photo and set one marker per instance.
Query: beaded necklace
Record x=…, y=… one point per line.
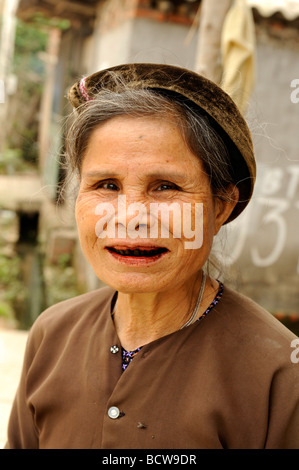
x=127, y=356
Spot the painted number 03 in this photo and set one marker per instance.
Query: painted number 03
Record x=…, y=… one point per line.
x=274, y=215
x=275, y=180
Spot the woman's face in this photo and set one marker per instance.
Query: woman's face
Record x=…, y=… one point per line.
x=163, y=240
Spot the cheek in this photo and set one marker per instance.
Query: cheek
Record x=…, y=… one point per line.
x=209, y=218
x=199, y=225
x=85, y=213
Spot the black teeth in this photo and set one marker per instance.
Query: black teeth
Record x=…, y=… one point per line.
x=138, y=252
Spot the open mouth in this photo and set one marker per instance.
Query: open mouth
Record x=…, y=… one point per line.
x=138, y=252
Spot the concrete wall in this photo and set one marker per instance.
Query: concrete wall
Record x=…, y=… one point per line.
x=158, y=42
x=263, y=245
x=131, y=32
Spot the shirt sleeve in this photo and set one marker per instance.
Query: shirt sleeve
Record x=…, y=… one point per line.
x=283, y=430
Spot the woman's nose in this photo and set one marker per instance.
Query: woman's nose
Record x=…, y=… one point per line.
x=132, y=216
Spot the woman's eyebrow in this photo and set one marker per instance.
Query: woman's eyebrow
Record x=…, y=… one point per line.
x=157, y=174
x=167, y=175
x=99, y=174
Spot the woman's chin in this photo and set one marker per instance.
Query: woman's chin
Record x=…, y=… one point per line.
x=135, y=283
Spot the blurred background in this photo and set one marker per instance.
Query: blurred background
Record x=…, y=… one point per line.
x=251, y=48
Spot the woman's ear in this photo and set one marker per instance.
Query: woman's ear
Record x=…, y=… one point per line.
x=224, y=205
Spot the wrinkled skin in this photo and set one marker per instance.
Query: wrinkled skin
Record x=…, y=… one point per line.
x=148, y=161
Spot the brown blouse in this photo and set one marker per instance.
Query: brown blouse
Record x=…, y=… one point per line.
x=225, y=382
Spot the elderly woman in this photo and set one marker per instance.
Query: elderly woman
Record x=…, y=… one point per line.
x=164, y=356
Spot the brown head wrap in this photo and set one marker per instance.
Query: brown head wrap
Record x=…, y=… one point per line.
x=201, y=92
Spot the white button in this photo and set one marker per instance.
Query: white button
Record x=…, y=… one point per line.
x=114, y=349
x=113, y=412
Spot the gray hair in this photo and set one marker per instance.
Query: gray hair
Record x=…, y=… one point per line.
x=200, y=134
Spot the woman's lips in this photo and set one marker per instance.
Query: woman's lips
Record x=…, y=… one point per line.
x=137, y=254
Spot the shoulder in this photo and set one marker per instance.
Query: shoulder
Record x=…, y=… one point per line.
x=251, y=331
x=79, y=312
x=245, y=310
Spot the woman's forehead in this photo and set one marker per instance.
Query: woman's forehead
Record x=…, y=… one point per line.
x=147, y=141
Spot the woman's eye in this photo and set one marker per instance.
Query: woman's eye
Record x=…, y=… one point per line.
x=110, y=186
x=167, y=187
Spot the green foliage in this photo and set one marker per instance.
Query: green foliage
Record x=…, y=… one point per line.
x=13, y=160
x=29, y=65
x=6, y=310
x=60, y=281
x=29, y=39
x=40, y=20
x=12, y=290
x=29, y=147
x=9, y=158
x=64, y=260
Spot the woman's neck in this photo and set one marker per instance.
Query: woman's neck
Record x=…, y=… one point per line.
x=142, y=318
